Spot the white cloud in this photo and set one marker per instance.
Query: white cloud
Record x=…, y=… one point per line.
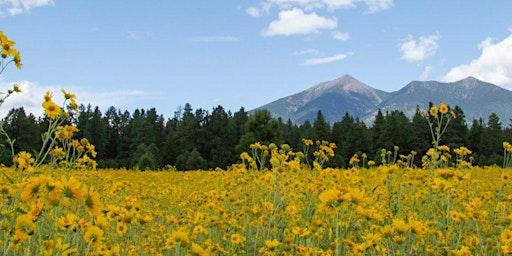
x=378, y=5
x=15, y=7
x=15, y=11
x=295, y=22
x=418, y=50
x=426, y=72
x=340, y=36
x=337, y=57
x=31, y=97
x=335, y=4
x=307, y=52
x=288, y=4
x=373, y=5
x=494, y=64
x=485, y=43
x=215, y=39
x=253, y=12
x=331, y=5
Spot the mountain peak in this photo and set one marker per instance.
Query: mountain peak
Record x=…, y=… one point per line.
x=344, y=94
x=346, y=77
x=470, y=79
x=346, y=84
x=471, y=82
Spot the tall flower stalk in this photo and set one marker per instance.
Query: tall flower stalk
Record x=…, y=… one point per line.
x=438, y=119
x=8, y=55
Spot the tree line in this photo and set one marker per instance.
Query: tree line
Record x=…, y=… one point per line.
x=201, y=139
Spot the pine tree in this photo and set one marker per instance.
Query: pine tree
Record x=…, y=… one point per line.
x=260, y=127
x=421, y=139
x=321, y=129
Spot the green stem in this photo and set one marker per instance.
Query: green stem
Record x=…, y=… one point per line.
x=47, y=138
x=5, y=66
x=9, y=140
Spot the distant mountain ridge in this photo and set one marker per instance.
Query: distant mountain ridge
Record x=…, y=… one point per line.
x=346, y=94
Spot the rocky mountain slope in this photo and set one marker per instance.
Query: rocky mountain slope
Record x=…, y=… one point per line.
x=334, y=98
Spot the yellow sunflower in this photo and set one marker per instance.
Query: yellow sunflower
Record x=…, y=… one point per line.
x=121, y=228
x=51, y=109
x=443, y=108
x=93, y=236
x=92, y=201
x=433, y=111
x=71, y=189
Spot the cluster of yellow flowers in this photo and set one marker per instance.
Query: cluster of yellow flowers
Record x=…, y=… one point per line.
x=50, y=211
x=52, y=110
x=8, y=50
x=64, y=150
x=263, y=157
x=8, y=55
x=59, y=143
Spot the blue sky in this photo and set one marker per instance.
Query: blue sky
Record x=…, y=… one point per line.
x=142, y=54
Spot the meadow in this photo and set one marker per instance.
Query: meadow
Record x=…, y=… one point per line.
x=288, y=210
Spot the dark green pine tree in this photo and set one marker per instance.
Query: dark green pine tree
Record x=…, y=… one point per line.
x=136, y=135
x=83, y=118
x=376, y=131
x=190, y=161
x=291, y=135
x=306, y=131
x=321, y=129
x=457, y=132
x=260, y=127
x=475, y=138
x=170, y=150
x=362, y=140
x=112, y=119
x=186, y=130
x=24, y=130
x=396, y=131
x=144, y=128
x=154, y=125
x=492, y=144
x=96, y=132
x=343, y=135
x=217, y=147
x=202, y=136
x=237, y=125
x=421, y=139
x=124, y=147
x=351, y=136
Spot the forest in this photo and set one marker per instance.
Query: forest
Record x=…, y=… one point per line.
x=201, y=139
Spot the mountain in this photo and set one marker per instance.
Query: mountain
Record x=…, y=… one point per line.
x=334, y=98
x=476, y=98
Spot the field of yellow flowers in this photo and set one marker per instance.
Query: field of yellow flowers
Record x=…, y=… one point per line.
x=288, y=210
